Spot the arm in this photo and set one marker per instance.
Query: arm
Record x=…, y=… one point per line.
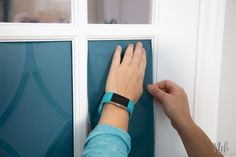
x=125, y=78
x=110, y=137
x=174, y=102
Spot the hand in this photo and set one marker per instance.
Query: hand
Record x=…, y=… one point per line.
x=173, y=100
x=126, y=78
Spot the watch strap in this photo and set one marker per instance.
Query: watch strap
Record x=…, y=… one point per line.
x=107, y=99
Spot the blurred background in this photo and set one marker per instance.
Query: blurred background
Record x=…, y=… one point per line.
x=44, y=11
x=59, y=11
x=119, y=11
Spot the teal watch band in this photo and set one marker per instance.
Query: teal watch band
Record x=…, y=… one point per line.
x=118, y=100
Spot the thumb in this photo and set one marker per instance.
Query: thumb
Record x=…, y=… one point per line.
x=157, y=93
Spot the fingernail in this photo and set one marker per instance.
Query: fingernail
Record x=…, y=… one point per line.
x=154, y=89
x=140, y=43
x=118, y=47
x=150, y=87
x=130, y=45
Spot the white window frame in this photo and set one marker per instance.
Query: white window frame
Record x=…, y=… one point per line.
x=79, y=32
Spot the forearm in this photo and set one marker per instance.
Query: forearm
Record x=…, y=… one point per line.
x=196, y=142
x=115, y=116
x=110, y=137
x=106, y=141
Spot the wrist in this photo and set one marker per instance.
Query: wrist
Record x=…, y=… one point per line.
x=183, y=124
x=115, y=110
x=115, y=116
x=117, y=100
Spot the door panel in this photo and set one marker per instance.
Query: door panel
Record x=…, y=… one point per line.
x=141, y=126
x=36, y=99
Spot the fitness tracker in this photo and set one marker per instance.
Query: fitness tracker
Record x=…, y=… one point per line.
x=117, y=100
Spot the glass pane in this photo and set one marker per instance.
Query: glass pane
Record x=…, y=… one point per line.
x=35, y=11
x=119, y=11
x=36, y=99
x=99, y=59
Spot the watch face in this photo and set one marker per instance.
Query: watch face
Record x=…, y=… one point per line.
x=120, y=100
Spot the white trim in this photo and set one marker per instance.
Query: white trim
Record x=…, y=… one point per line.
x=82, y=14
x=35, y=39
x=82, y=105
x=208, y=65
x=127, y=37
x=155, y=13
x=24, y=31
x=121, y=29
x=76, y=99
x=155, y=72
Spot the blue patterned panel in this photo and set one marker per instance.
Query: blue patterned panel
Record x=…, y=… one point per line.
x=141, y=128
x=36, y=99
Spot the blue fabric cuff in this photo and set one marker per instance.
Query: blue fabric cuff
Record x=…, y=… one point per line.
x=105, y=129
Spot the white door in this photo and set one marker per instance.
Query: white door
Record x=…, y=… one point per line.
x=183, y=48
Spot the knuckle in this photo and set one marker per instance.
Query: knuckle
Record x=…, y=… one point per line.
x=136, y=75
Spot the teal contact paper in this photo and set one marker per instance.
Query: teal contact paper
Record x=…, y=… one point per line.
x=141, y=128
x=36, y=99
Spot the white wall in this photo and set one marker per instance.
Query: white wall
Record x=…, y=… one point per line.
x=227, y=99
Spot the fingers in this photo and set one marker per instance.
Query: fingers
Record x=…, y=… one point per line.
x=167, y=86
x=137, y=56
x=143, y=62
x=163, y=90
x=128, y=55
x=116, y=57
x=157, y=93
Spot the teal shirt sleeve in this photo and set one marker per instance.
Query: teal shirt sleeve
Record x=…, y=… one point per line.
x=107, y=141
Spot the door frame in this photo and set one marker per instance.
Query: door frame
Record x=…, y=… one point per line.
x=208, y=65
